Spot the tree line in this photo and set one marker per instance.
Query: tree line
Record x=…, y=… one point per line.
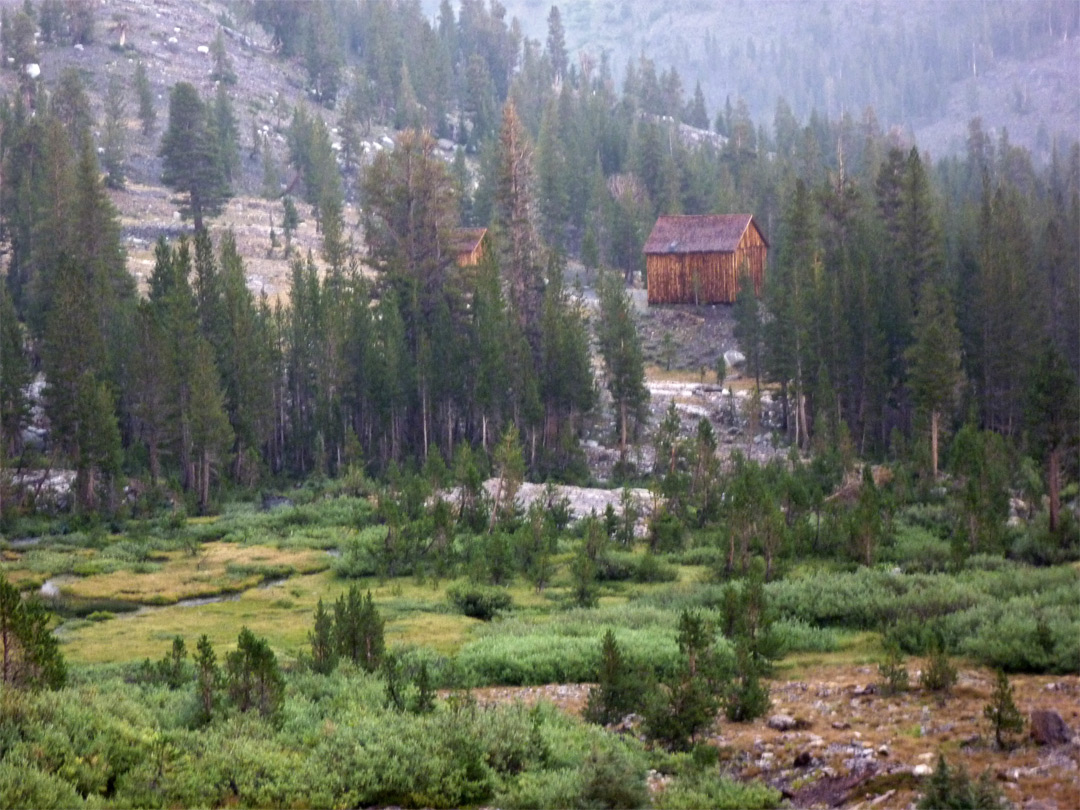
x=903, y=300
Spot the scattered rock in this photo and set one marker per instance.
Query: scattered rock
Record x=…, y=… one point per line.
x=841, y=725
x=1040, y=804
x=883, y=750
x=869, y=689
x=922, y=770
x=803, y=760
x=1047, y=728
x=271, y=502
x=50, y=590
x=733, y=357
x=781, y=722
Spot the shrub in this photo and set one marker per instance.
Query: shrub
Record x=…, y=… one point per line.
x=650, y=568
x=479, y=601
x=540, y=790
x=610, y=778
x=915, y=549
x=940, y=674
x=22, y=785
x=955, y=790
x=615, y=566
x=696, y=790
x=796, y=635
x=894, y=675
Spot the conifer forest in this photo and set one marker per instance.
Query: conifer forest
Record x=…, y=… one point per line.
x=345, y=463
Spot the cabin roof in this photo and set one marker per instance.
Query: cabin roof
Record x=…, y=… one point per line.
x=466, y=240
x=705, y=233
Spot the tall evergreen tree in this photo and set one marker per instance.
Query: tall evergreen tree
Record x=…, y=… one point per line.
x=145, y=95
x=620, y=347
x=519, y=250
x=114, y=140
x=791, y=358
x=934, y=374
x=14, y=377
x=80, y=406
x=556, y=44
x=1052, y=415
x=1008, y=308
x=193, y=164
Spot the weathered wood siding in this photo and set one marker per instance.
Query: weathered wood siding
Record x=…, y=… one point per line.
x=471, y=259
x=705, y=278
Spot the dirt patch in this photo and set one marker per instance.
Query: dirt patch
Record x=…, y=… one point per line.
x=860, y=749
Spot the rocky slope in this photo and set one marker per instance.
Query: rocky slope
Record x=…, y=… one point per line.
x=831, y=741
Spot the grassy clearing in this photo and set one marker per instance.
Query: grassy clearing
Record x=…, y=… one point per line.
x=282, y=614
x=216, y=569
x=854, y=648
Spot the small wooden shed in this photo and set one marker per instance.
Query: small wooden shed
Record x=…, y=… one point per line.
x=468, y=245
x=698, y=259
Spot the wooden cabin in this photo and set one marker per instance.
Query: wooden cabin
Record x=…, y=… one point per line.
x=468, y=245
x=698, y=259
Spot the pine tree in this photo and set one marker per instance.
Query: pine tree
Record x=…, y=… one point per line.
x=553, y=177
x=193, y=163
x=14, y=377
x=223, y=70
x=624, y=367
x=1052, y=416
x=114, y=141
x=556, y=44
x=695, y=114
x=1008, y=312
x=566, y=376
x=510, y=470
x=80, y=406
x=358, y=629
x=29, y=653
x=934, y=374
x=750, y=328
x=207, y=676
x=791, y=298
x=323, y=649
x=226, y=133
x=866, y=523
x=197, y=425
x=145, y=94
x=1001, y=711
x=253, y=677
x=980, y=461
x=617, y=692
x=515, y=221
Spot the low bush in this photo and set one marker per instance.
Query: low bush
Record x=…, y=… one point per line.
x=915, y=549
x=650, y=568
x=479, y=601
x=796, y=635
x=1011, y=616
x=696, y=790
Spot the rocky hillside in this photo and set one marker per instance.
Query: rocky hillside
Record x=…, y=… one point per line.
x=172, y=39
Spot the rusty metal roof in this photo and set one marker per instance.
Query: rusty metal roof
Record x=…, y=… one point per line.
x=706, y=233
x=466, y=240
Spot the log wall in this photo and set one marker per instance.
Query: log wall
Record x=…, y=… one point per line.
x=703, y=278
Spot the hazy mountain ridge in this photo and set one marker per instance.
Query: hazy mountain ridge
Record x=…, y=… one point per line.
x=926, y=67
